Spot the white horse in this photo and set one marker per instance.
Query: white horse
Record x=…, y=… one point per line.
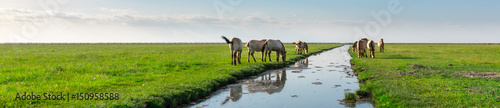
x=236, y=47
x=274, y=45
x=255, y=45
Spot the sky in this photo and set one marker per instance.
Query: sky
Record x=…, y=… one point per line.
x=396, y=21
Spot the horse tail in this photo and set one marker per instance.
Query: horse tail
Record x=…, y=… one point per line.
x=371, y=45
x=246, y=45
x=227, y=40
x=265, y=44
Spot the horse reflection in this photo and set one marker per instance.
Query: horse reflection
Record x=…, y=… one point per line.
x=268, y=83
x=304, y=63
x=235, y=94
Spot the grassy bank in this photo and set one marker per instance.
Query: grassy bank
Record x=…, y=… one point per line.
x=430, y=75
x=142, y=75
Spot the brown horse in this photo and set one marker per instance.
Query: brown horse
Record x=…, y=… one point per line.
x=361, y=46
x=381, y=45
x=255, y=45
x=301, y=47
x=274, y=45
x=236, y=47
x=354, y=45
x=371, y=47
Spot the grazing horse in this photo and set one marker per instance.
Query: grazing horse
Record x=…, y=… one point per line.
x=274, y=45
x=381, y=45
x=236, y=46
x=354, y=45
x=361, y=46
x=301, y=47
x=255, y=45
x=371, y=47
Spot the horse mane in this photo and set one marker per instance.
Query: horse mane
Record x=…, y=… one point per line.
x=227, y=40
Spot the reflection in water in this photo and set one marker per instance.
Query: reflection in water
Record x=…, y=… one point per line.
x=268, y=83
x=304, y=63
x=235, y=94
x=331, y=68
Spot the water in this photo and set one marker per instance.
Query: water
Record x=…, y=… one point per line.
x=319, y=81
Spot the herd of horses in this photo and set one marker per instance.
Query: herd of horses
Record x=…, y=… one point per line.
x=364, y=44
x=265, y=46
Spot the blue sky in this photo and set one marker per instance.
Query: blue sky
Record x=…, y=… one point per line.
x=419, y=21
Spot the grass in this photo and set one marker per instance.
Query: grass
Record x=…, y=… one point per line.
x=349, y=97
x=426, y=75
x=163, y=75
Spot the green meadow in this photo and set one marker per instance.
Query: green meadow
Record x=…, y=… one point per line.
x=432, y=75
x=161, y=75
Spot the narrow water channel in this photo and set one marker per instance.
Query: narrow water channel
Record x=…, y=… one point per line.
x=318, y=81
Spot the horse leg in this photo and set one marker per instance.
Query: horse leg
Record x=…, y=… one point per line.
x=265, y=55
x=248, y=59
x=359, y=54
x=239, y=57
x=277, y=56
x=373, y=54
x=262, y=56
x=232, y=57
x=253, y=57
x=269, y=54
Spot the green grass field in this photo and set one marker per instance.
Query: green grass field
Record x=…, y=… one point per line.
x=153, y=75
x=429, y=75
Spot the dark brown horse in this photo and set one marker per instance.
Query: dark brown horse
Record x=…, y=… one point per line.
x=361, y=46
x=354, y=46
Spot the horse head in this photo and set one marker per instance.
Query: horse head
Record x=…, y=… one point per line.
x=283, y=55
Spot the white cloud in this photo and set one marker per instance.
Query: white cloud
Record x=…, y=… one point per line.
x=122, y=25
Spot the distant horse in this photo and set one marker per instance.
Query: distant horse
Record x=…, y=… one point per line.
x=354, y=45
x=301, y=47
x=255, y=45
x=381, y=45
x=371, y=47
x=236, y=47
x=361, y=46
x=274, y=45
